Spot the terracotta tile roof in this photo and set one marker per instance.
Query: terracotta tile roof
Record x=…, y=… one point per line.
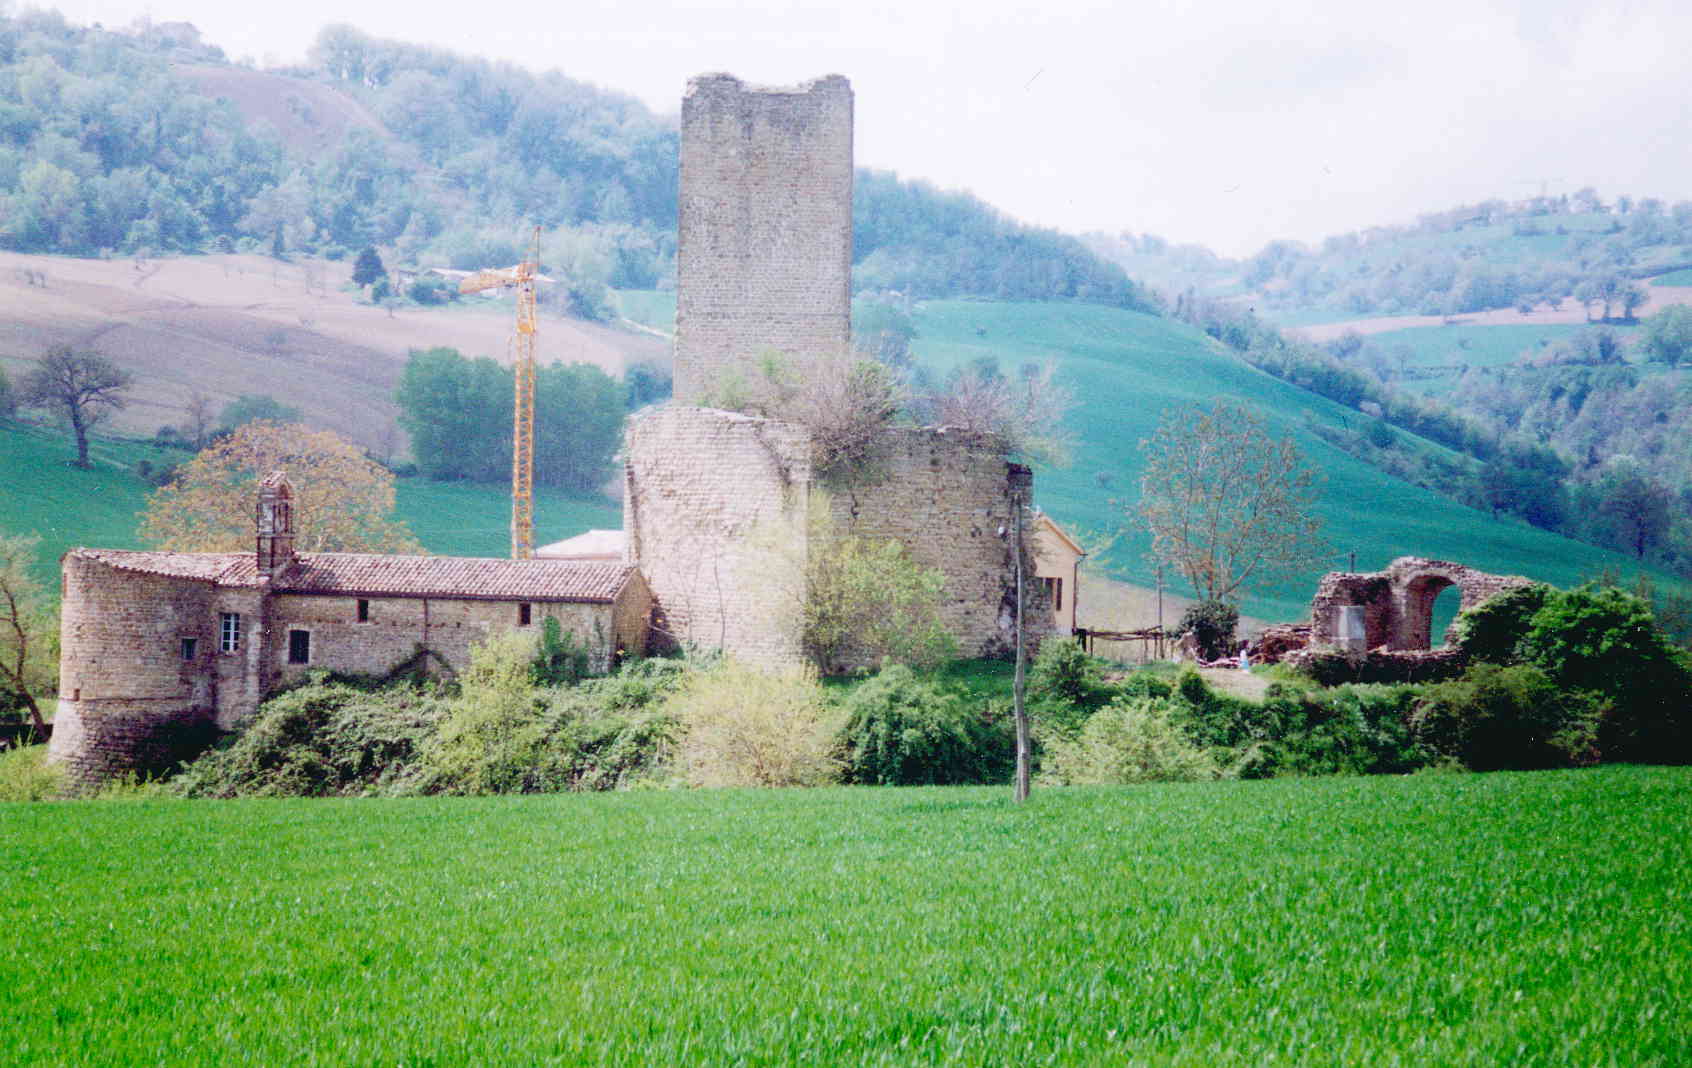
x=206, y=567
x=375, y=575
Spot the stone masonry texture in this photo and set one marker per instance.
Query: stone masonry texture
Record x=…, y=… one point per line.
x=764, y=234
x=131, y=701
x=1398, y=602
x=715, y=512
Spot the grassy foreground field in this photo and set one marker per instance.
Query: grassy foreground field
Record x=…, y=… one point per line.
x=1487, y=919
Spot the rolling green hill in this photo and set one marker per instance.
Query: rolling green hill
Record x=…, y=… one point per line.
x=1125, y=368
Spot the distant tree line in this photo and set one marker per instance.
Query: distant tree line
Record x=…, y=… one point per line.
x=103, y=149
x=1578, y=442
x=458, y=412
x=913, y=238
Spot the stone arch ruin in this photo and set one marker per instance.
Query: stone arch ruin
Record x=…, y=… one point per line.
x=1393, y=609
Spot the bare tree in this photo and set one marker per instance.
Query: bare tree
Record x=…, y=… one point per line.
x=20, y=623
x=1227, y=504
x=1025, y=412
x=85, y=385
x=198, y=426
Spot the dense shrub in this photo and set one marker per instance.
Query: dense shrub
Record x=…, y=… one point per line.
x=1598, y=640
x=1349, y=730
x=1215, y=719
x=1130, y=740
x=25, y=775
x=1066, y=685
x=559, y=660
x=1497, y=717
x=489, y=742
x=323, y=738
x=903, y=731
x=1212, y=624
x=1493, y=630
x=743, y=727
x=499, y=735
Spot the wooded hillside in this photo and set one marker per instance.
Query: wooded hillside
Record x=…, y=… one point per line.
x=146, y=141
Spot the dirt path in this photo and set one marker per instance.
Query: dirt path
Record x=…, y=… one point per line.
x=1570, y=314
x=1233, y=681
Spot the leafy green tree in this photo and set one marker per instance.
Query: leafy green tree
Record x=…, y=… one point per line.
x=85, y=386
x=25, y=637
x=368, y=268
x=251, y=407
x=1635, y=508
x=457, y=412
x=1667, y=335
x=579, y=411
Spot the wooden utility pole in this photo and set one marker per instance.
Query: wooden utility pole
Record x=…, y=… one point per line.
x=1020, y=687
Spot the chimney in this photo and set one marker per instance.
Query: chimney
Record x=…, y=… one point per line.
x=275, y=525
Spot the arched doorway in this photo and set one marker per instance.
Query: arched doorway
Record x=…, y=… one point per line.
x=1417, y=611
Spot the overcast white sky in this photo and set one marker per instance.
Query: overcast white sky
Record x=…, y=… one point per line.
x=1228, y=123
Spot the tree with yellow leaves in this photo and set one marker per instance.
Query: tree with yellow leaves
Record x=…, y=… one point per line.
x=343, y=501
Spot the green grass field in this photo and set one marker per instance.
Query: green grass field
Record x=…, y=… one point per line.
x=1125, y=368
x=1682, y=277
x=1472, y=919
x=1447, y=350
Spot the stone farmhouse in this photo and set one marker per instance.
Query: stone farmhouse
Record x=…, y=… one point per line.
x=159, y=649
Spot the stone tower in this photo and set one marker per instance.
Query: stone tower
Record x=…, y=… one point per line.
x=717, y=505
x=275, y=524
x=764, y=237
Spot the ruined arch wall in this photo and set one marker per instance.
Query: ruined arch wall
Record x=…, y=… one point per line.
x=1398, y=602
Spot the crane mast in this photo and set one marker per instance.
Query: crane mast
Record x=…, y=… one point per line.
x=522, y=279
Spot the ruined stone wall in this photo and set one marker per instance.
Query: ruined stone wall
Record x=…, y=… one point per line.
x=714, y=509
x=947, y=496
x=764, y=232
x=1398, y=601
x=400, y=627
x=125, y=689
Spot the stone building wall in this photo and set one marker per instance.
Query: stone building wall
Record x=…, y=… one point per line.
x=398, y=628
x=1397, y=603
x=125, y=690
x=946, y=495
x=131, y=702
x=716, y=507
x=764, y=230
x=714, y=510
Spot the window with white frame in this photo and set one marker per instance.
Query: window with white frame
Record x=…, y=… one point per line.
x=229, y=631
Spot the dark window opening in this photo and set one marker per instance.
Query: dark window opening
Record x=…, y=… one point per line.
x=190, y=646
x=523, y=615
x=363, y=610
x=299, y=647
x=1054, y=591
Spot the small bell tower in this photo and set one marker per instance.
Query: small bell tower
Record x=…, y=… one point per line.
x=275, y=524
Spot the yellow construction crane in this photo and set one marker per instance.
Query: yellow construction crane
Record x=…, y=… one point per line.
x=521, y=278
